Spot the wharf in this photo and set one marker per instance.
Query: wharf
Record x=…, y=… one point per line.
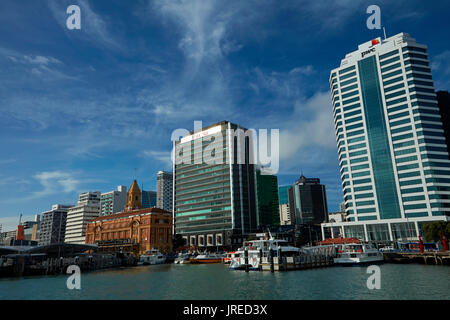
x=429, y=258
x=19, y=265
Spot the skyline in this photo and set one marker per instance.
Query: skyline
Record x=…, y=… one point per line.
x=135, y=73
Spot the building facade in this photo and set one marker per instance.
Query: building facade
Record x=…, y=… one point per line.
x=134, y=230
x=285, y=214
x=88, y=208
x=394, y=161
x=215, y=202
x=308, y=202
x=283, y=198
x=267, y=203
x=164, y=190
x=52, y=228
x=148, y=199
x=113, y=201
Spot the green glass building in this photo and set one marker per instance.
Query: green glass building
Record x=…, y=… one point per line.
x=214, y=197
x=267, y=207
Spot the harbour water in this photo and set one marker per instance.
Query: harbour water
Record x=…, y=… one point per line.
x=205, y=282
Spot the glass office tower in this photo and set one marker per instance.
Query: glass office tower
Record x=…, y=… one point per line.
x=214, y=199
x=394, y=162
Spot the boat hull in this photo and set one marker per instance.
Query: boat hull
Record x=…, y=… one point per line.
x=205, y=261
x=363, y=261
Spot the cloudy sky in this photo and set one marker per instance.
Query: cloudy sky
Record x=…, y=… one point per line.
x=80, y=109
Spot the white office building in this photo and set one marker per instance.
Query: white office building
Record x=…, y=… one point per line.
x=285, y=216
x=87, y=209
x=113, y=201
x=394, y=162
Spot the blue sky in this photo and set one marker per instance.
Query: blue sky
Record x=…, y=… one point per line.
x=80, y=109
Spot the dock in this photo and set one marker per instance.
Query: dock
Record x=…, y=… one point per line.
x=428, y=258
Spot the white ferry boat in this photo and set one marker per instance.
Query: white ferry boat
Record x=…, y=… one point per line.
x=258, y=253
x=357, y=254
x=183, y=258
x=152, y=257
x=207, y=258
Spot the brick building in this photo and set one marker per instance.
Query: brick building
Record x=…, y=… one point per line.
x=133, y=230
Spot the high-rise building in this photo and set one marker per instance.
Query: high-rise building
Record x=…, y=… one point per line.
x=285, y=214
x=443, y=99
x=88, y=208
x=113, y=201
x=267, y=207
x=53, y=225
x=308, y=201
x=283, y=194
x=148, y=199
x=164, y=190
x=283, y=198
x=394, y=161
x=214, y=200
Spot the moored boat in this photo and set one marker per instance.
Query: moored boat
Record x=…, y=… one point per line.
x=183, y=258
x=258, y=252
x=152, y=257
x=357, y=254
x=206, y=258
x=229, y=257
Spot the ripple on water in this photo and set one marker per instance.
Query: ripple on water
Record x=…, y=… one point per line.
x=203, y=282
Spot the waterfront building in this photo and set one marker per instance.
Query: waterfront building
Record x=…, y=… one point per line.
x=164, y=190
x=308, y=201
x=392, y=153
x=285, y=214
x=53, y=225
x=134, y=230
x=32, y=229
x=7, y=237
x=214, y=202
x=283, y=194
x=113, y=201
x=148, y=199
x=283, y=198
x=88, y=208
x=267, y=204
x=443, y=99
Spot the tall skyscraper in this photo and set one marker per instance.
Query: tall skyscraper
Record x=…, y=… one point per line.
x=308, y=201
x=267, y=204
x=164, y=190
x=392, y=153
x=113, y=201
x=215, y=201
x=88, y=208
x=53, y=225
x=283, y=198
x=148, y=199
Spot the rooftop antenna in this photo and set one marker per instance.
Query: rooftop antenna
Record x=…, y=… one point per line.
x=134, y=173
x=384, y=31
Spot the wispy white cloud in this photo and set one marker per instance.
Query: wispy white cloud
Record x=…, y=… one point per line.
x=440, y=65
x=161, y=156
x=54, y=182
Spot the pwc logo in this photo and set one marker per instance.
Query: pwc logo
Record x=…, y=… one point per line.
x=367, y=52
x=372, y=48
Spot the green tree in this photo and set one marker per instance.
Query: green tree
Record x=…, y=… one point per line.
x=433, y=230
